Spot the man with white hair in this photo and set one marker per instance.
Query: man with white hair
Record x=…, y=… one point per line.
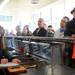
x=40, y=31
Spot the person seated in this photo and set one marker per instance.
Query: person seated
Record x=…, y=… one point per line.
x=4, y=57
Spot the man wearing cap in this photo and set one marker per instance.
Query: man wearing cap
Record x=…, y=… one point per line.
x=70, y=26
x=70, y=32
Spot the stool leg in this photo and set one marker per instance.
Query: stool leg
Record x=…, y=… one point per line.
x=4, y=72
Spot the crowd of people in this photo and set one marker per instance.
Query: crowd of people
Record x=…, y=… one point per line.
x=67, y=29
x=40, y=31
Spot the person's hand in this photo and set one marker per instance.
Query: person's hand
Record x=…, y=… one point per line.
x=16, y=61
x=4, y=61
x=73, y=35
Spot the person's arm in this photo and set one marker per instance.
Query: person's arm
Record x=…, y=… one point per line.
x=34, y=33
x=44, y=33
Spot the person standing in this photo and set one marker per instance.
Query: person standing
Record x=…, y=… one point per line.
x=26, y=31
x=70, y=32
x=70, y=26
x=50, y=31
x=40, y=31
x=41, y=49
x=18, y=30
x=60, y=34
x=60, y=31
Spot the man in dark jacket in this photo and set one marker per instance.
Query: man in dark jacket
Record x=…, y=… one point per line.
x=70, y=32
x=70, y=26
x=40, y=31
x=41, y=50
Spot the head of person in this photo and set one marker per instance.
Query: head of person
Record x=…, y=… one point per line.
x=50, y=28
x=41, y=23
x=73, y=12
x=26, y=28
x=18, y=28
x=2, y=31
x=63, y=22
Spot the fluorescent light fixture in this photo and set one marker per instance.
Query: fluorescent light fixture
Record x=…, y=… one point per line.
x=3, y=3
x=34, y=1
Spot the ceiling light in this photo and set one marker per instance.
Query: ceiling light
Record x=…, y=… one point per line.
x=4, y=2
x=34, y=1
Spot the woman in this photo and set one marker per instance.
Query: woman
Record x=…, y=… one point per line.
x=26, y=31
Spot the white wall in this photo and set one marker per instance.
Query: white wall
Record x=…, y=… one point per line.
x=51, y=13
x=54, y=12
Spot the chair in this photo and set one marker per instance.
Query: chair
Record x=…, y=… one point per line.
x=17, y=70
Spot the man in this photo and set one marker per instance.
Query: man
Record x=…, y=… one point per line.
x=40, y=31
x=41, y=50
x=60, y=31
x=18, y=30
x=50, y=31
x=70, y=26
x=70, y=32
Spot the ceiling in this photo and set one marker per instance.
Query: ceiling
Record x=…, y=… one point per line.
x=21, y=8
x=25, y=4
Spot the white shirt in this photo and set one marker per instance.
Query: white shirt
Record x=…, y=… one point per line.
x=59, y=34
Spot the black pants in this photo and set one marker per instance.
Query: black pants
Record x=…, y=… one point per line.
x=68, y=54
x=4, y=72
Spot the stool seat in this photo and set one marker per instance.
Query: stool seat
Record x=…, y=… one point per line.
x=17, y=70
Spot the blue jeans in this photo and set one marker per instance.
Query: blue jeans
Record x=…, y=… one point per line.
x=41, y=49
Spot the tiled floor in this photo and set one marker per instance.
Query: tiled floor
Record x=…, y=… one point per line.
x=58, y=68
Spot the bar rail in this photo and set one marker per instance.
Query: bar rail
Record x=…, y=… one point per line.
x=43, y=39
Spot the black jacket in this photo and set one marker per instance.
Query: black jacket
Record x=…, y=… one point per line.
x=70, y=28
x=42, y=32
